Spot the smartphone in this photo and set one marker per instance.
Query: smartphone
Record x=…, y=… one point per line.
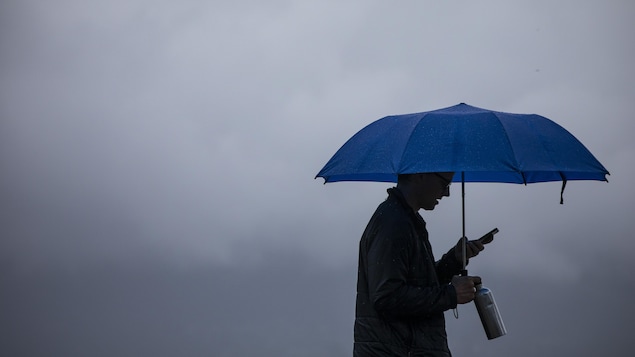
x=489, y=236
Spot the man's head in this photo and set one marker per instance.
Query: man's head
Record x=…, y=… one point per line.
x=424, y=190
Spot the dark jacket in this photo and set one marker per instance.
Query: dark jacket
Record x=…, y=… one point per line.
x=401, y=292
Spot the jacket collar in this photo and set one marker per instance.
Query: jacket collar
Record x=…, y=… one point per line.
x=399, y=197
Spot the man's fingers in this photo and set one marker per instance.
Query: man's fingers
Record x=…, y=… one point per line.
x=477, y=245
x=487, y=239
x=465, y=287
x=473, y=248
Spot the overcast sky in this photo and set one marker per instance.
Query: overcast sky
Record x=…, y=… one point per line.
x=157, y=164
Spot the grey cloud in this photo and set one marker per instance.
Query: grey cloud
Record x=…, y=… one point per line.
x=285, y=307
x=180, y=141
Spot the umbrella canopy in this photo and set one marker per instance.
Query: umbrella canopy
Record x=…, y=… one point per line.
x=483, y=145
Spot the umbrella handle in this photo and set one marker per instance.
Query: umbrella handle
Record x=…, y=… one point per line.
x=456, y=309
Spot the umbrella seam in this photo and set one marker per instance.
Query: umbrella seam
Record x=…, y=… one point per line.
x=403, y=153
x=509, y=142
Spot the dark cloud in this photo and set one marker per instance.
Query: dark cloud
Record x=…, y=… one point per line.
x=286, y=307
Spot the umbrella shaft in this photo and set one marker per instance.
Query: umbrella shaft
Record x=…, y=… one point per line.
x=464, y=239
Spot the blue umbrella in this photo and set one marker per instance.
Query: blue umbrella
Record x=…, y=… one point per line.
x=482, y=145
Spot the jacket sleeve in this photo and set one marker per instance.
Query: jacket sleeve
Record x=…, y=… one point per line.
x=390, y=291
x=448, y=266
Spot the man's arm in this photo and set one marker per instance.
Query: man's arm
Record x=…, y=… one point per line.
x=388, y=263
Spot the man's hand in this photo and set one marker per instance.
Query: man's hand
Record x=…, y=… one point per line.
x=472, y=248
x=465, y=288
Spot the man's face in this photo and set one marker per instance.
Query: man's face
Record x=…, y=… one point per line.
x=435, y=186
